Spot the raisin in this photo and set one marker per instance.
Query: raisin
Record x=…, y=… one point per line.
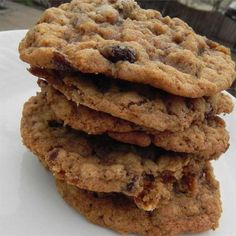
x=52, y=155
x=167, y=177
x=150, y=214
x=119, y=53
x=61, y=174
x=149, y=178
x=61, y=63
x=178, y=38
x=148, y=181
x=189, y=181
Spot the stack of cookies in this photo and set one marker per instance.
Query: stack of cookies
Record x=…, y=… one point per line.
x=127, y=117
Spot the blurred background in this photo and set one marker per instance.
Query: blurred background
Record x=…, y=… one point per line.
x=215, y=19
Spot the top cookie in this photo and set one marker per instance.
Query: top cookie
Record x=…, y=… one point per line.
x=119, y=39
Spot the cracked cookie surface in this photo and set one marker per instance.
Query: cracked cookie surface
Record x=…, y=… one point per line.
x=97, y=163
x=121, y=40
x=182, y=214
x=205, y=138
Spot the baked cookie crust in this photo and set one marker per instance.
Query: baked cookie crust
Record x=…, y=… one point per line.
x=207, y=138
x=121, y=40
x=98, y=163
x=182, y=214
x=142, y=105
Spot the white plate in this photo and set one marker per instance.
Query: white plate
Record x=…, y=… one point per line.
x=29, y=203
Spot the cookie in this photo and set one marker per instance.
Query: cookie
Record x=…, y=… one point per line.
x=139, y=104
x=98, y=163
x=182, y=214
x=121, y=40
x=204, y=138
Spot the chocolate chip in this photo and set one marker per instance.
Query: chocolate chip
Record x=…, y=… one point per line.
x=54, y=124
x=61, y=63
x=119, y=53
x=52, y=155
